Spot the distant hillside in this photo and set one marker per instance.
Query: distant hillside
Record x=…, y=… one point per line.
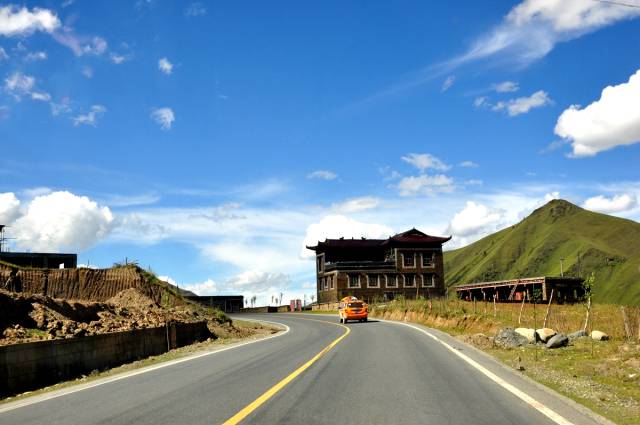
x=588, y=241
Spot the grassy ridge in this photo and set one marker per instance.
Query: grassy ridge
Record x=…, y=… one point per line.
x=588, y=242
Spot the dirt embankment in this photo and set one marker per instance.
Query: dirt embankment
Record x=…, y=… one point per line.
x=31, y=317
x=83, y=284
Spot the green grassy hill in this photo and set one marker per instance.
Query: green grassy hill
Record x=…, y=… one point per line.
x=588, y=241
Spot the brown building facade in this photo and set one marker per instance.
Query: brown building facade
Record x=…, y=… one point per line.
x=408, y=264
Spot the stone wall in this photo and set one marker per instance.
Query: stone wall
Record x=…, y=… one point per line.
x=25, y=367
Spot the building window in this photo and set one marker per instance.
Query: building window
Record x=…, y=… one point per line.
x=428, y=280
x=428, y=259
x=409, y=280
x=354, y=281
x=319, y=284
x=320, y=263
x=330, y=282
x=373, y=281
x=408, y=259
x=392, y=281
x=326, y=283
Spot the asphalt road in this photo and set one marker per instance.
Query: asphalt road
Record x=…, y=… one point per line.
x=380, y=373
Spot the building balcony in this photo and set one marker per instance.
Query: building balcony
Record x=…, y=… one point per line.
x=360, y=265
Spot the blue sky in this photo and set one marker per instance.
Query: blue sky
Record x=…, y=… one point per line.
x=211, y=141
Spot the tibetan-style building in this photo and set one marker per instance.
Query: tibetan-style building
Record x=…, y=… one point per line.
x=409, y=264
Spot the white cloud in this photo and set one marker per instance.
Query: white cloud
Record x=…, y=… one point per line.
x=9, y=208
x=164, y=117
x=322, y=174
x=613, y=120
x=532, y=28
x=63, y=107
x=337, y=226
x=165, y=66
x=425, y=185
x=41, y=96
x=355, y=205
x=469, y=164
x=473, y=219
x=208, y=287
x=62, y=221
x=195, y=9
x=91, y=117
x=87, y=71
x=505, y=87
x=81, y=45
x=118, y=58
x=448, y=83
x=425, y=161
x=35, y=56
x=481, y=102
x=19, y=84
x=615, y=204
x=522, y=105
x=16, y=21
x=3, y=54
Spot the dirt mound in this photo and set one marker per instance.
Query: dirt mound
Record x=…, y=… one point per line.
x=132, y=298
x=31, y=317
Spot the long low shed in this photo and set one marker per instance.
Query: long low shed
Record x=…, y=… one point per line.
x=565, y=289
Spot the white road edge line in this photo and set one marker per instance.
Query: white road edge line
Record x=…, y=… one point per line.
x=81, y=387
x=555, y=417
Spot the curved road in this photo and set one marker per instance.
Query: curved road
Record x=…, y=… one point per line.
x=379, y=373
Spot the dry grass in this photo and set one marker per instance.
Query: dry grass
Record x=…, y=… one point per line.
x=468, y=317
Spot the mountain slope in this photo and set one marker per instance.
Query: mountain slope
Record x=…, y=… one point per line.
x=588, y=241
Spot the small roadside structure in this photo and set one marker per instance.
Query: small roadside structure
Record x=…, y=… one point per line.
x=565, y=289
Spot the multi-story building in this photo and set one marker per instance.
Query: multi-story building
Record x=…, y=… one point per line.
x=408, y=264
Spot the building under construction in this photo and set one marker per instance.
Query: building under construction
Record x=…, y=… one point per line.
x=564, y=289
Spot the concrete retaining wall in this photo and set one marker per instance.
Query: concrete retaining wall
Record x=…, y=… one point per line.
x=325, y=307
x=25, y=367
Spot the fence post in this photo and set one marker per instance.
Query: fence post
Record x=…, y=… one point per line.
x=521, y=308
x=627, y=326
x=546, y=316
x=586, y=320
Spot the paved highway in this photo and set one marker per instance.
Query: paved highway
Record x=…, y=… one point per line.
x=318, y=372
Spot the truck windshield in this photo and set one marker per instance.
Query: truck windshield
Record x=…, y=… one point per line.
x=355, y=305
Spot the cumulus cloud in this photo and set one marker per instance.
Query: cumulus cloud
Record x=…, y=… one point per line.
x=20, y=21
x=613, y=120
x=532, y=28
x=505, y=87
x=425, y=185
x=322, y=175
x=9, y=208
x=119, y=58
x=164, y=117
x=615, y=204
x=473, y=219
x=425, y=161
x=165, y=66
x=448, y=83
x=355, y=205
x=208, y=287
x=91, y=117
x=481, y=102
x=522, y=105
x=337, y=226
x=62, y=221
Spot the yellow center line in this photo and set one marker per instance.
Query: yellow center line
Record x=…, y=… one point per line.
x=238, y=417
